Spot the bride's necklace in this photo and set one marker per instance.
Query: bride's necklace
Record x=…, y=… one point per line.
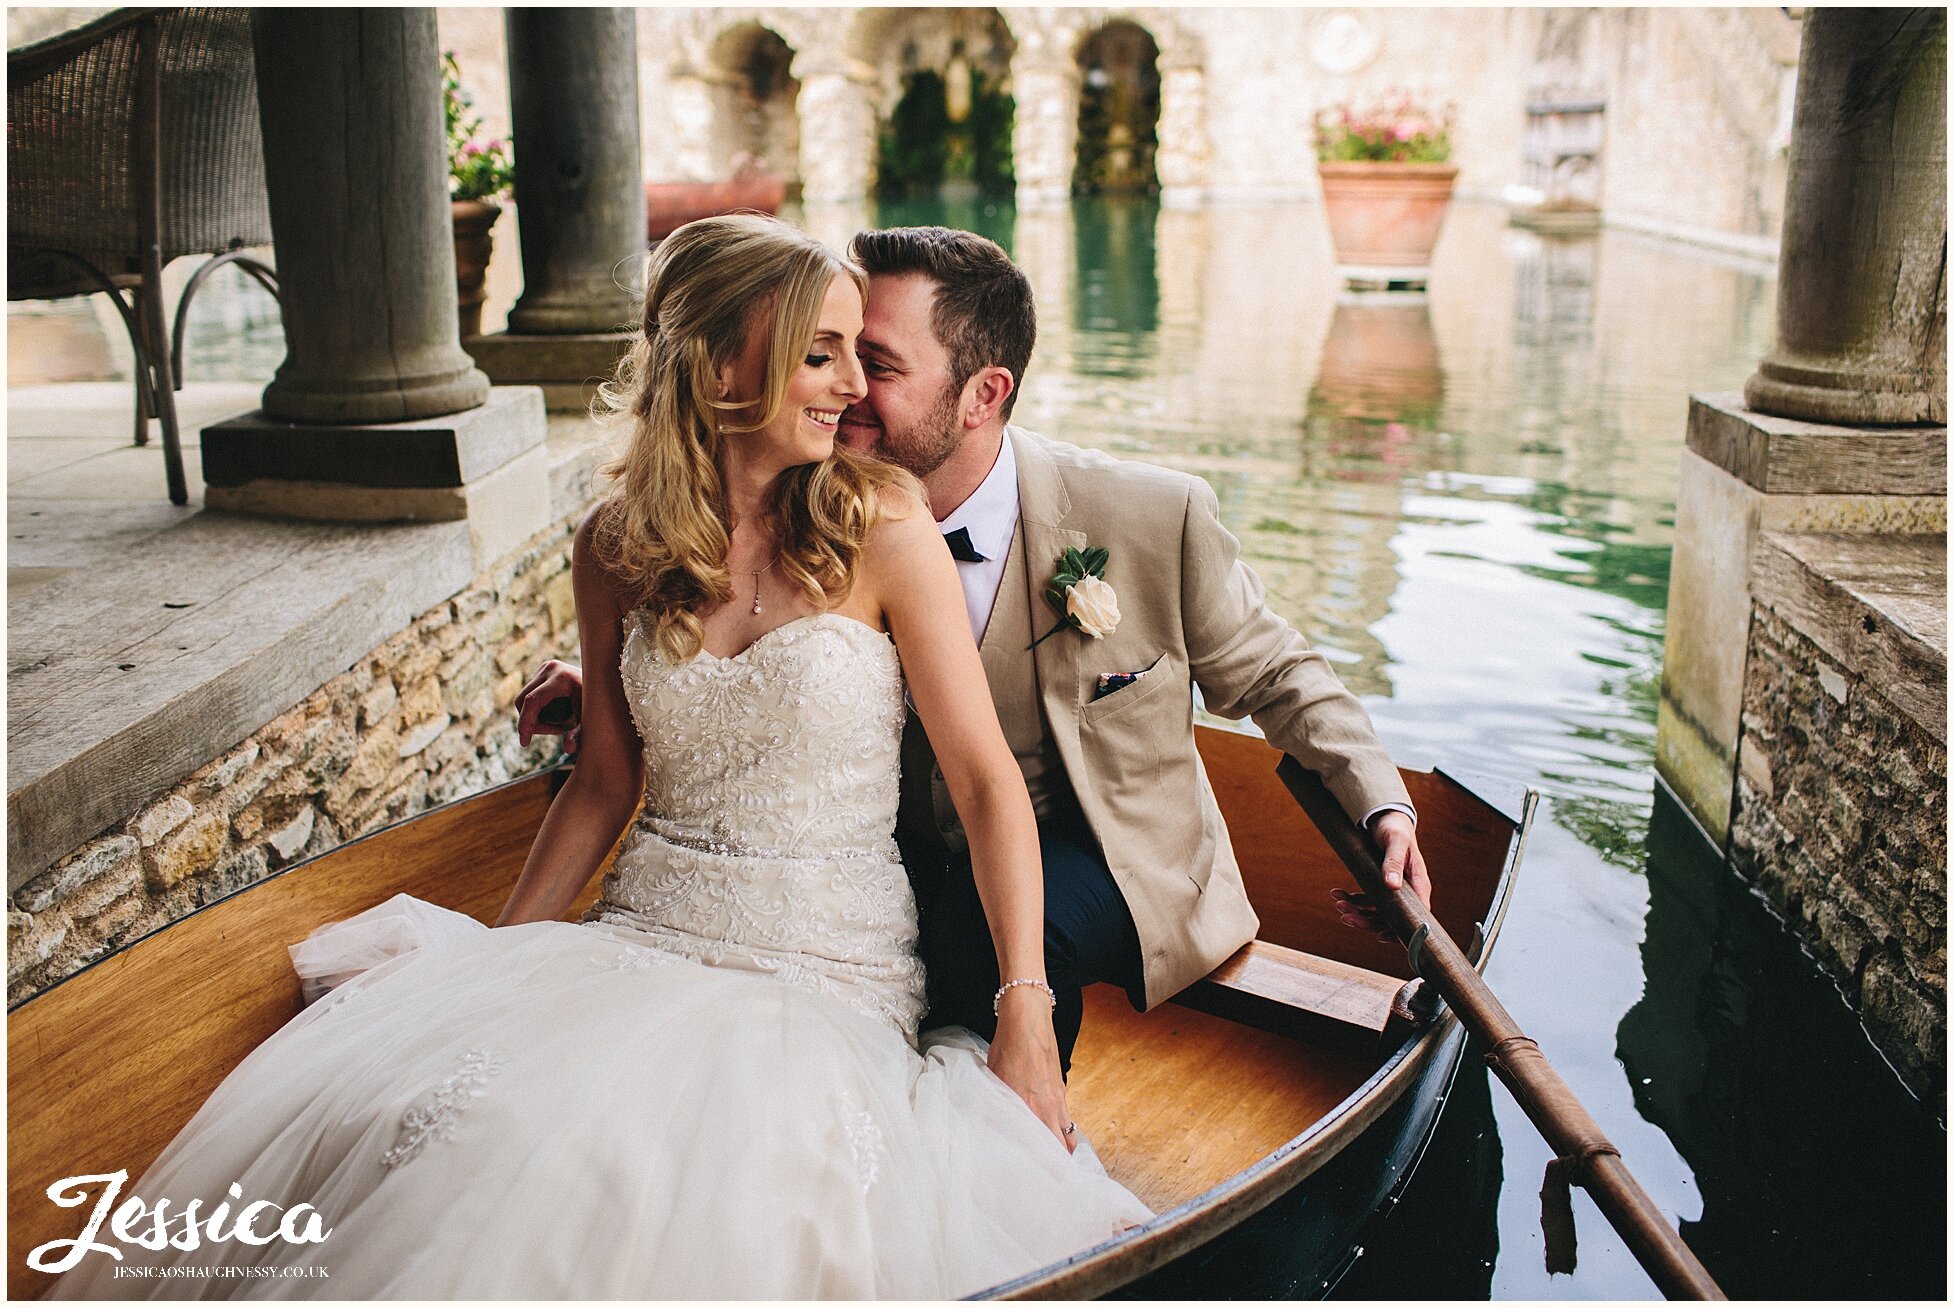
x=755, y=574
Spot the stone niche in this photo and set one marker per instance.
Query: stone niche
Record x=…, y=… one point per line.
x=425, y=718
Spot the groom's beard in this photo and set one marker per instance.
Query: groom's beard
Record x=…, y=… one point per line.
x=926, y=444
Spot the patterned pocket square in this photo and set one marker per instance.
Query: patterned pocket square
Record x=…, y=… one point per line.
x=1112, y=681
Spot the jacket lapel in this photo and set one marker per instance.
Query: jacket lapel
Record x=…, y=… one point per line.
x=1042, y=506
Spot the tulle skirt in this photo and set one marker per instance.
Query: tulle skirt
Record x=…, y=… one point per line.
x=553, y=1111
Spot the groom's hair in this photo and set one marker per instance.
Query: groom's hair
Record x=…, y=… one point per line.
x=983, y=313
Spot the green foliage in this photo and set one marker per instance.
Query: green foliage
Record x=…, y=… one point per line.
x=477, y=169
x=1104, y=162
x=1396, y=132
x=1073, y=566
x=921, y=148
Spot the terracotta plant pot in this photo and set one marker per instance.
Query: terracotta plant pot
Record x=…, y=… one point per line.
x=1385, y=217
x=671, y=205
x=473, y=245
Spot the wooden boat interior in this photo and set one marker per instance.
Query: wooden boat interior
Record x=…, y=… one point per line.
x=1178, y=1099
x=108, y=1065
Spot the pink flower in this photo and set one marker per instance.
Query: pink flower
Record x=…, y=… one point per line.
x=470, y=150
x=1401, y=132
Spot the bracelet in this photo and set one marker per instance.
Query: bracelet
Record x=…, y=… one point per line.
x=997, y=999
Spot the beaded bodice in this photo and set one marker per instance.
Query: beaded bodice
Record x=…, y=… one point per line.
x=766, y=840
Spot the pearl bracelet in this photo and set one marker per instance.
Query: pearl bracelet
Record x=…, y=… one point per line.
x=997, y=999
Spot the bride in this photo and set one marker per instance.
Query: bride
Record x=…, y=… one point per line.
x=712, y=1085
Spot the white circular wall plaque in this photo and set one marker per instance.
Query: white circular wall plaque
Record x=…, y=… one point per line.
x=1343, y=43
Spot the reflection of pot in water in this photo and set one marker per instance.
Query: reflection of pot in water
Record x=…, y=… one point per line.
x=1380, y=361
x=1378, y=390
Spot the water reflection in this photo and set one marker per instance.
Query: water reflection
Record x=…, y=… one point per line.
x=1116, y=286
x=1795, y=1131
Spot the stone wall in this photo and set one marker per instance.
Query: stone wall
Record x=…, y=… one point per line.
x=425, y=718
x=1697, y=100
x=1841, y=820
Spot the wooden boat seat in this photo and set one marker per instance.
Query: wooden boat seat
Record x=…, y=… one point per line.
x=1306, y=996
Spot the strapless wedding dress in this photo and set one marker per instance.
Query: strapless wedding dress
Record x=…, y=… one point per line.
x=710, y=1087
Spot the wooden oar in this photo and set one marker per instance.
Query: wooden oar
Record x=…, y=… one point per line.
x=1584, y=1155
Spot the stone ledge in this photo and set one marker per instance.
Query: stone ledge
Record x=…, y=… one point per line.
x=1782, y=456
x=116, y=694
x=227, y=621
x=448, y=451
x=1876, y=604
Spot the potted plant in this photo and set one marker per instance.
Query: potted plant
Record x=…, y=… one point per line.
x=1386, y=184
x=479, y=170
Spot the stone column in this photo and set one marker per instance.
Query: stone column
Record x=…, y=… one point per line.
x=1182, y=160
x=376, y=414
x=350, y=102
x=1862, y=300
x=1045, y=137
x=838, y=128
x=573, y=107
x=580, y=200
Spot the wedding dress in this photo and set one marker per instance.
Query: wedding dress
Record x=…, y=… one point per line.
x=707, y=1088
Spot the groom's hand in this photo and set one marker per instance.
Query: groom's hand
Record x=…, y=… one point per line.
x=1404, y=863
x=1024, y=1054
x=553, y=681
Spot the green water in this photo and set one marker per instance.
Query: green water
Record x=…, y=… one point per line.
x=1467, y=501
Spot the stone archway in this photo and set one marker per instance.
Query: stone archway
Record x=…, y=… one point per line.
x=1119, y=111
x=940, y=84
x=754, y=98
x=1049, y=80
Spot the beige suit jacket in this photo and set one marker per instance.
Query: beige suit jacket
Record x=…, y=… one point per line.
x=1191, y=612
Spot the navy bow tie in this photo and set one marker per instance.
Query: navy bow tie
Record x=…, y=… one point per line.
x=960, y=547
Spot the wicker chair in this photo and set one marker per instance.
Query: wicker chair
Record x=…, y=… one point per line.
x=132, y=141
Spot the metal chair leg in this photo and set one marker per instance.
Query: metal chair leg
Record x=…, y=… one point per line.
x=149, y=224
x=131, y=323
x=264, y=276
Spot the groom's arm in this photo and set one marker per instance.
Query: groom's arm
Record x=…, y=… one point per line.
x=1250, y=663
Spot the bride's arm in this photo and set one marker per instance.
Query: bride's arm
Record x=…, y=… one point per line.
x=916, y=583
x=604, y=788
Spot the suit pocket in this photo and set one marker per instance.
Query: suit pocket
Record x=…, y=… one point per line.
x=1146, y=688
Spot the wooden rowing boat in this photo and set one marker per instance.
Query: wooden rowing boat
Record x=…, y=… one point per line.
x=1282, y=1083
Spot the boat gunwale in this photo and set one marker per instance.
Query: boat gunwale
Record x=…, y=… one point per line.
x=1123, y=1258
x=548, y=773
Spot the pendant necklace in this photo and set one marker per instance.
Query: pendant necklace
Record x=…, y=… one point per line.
x=756, y=581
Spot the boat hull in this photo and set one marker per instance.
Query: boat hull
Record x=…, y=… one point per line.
x=1301, y=1245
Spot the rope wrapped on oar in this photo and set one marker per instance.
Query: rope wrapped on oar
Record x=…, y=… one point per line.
x=1583, y=1155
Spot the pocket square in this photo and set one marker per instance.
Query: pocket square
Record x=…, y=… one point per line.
x=1112, y=681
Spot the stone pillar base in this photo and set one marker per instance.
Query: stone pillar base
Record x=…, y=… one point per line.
x=488, y=466
x=1744, y=474
x=566, y=368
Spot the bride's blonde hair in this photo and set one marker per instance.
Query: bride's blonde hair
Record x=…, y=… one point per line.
x=662, y=532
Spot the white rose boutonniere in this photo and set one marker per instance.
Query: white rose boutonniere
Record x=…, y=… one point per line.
x=1081, y=594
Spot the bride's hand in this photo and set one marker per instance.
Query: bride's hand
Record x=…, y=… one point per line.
x=1024, y=1054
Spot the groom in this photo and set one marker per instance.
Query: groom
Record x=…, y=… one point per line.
x=1141, y=885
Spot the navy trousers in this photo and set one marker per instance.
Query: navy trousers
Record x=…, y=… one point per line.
x=1089, y=933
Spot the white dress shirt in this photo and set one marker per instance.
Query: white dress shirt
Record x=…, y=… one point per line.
x=990, y=515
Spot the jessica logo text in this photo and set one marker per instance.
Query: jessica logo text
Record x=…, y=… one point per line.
x=135, y=1222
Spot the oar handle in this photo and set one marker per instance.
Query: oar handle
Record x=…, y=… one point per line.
x=1569, y=1129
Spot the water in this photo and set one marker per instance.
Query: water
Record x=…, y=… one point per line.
x=1466, y=500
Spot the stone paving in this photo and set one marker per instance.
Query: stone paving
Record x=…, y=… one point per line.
x=146, y=639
